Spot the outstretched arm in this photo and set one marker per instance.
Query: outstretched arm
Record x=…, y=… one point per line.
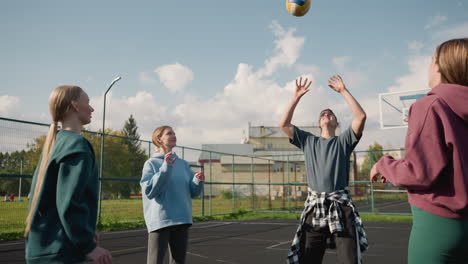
x=285, y=122
x=336, y=83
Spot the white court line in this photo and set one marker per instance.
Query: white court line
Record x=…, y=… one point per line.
x=128, y=249
x=205, y=237
x=252, y=239
x=267, y=223
x=11, y=244
x=279, y=244
x=212, y=225
x=196, y=255
x=225, y=261
x=122, y=232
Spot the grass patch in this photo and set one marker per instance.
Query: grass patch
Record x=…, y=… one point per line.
x=386, y=218
x=246, y=215
x=128, y=213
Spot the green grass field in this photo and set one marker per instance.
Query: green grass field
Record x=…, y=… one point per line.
x=128, y=213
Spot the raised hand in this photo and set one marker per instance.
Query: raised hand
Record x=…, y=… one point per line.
x=200, y=175
x=373, y=174
x=169, y=158
x=336, y=83
x=302, y=88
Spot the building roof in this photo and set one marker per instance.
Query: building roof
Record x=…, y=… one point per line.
x=222, y=150
x=227, y=160
x=276, y=132
x=218, y=150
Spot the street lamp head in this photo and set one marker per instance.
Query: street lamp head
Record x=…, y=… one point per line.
x=112, y=84
x=116, y=79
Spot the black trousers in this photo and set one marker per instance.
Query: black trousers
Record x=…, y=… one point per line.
x=174, y=236
x=314, y=241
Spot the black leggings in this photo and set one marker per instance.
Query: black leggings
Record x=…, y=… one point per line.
x=314, y=241
x=177, y=238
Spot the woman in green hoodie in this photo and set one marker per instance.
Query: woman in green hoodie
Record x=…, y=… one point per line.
x=61, y=223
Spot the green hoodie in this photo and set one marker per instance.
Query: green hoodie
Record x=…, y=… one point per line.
x=64, y=220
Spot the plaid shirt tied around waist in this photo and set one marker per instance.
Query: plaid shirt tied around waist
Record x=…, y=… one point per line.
x=326, y=211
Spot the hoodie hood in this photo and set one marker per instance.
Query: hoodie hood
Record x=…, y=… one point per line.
x=158, y=155
x=455, y=96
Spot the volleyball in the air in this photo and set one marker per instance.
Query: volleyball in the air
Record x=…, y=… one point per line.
x=297, y=7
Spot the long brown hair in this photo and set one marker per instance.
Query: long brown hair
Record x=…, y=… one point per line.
x=452, y=59
x=157, y=133
x=60, y=101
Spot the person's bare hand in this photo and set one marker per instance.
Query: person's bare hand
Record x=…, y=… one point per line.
x=101, y=256
x=336, y=83
x=200, y=175
x=170, y=158
x=302, y=88
x=374, y=173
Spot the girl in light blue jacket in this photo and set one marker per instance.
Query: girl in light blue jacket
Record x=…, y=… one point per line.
x=168, y=186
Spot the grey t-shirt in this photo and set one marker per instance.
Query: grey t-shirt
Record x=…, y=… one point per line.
x=326, y=160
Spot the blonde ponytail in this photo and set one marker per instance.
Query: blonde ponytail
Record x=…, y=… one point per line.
x=48, y=145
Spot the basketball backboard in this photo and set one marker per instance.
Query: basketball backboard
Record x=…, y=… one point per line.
x=394, y=107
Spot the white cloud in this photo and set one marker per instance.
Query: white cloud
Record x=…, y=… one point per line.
x=417, y=77
x=304, y=69
x=435, y=21
x=9, y=106
x=174, y=76
x=147, y=78
x=287, y=49
x=457, y=31
x=143, y=106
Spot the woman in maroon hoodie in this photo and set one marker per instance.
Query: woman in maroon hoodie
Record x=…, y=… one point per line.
x=435, y=168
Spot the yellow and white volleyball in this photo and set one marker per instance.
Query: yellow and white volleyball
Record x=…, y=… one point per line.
x=298, y=7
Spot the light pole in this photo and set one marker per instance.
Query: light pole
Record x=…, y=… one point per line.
x=101, y=167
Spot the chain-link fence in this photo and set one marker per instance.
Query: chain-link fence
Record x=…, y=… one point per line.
x=233, y=182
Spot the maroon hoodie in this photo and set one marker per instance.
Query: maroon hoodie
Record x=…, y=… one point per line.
x=435, y=167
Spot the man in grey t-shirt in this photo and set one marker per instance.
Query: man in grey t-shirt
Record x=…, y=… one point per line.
x=327, y=168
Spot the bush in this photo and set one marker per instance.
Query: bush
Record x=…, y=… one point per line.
x=227, y=194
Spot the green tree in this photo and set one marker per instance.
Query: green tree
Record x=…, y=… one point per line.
x=130, y=131
x=374, y=153
x=118, y=165
x=137, y=154
x=15, y=163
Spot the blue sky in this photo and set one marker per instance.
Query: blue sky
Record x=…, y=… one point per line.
x=209, y=67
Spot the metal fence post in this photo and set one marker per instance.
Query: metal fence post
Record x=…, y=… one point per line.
x=211, y=186
x=233, y=186
x=269, y=185
x=253, y=186
x=371, y=184
x=289, y=183
x=203, y=194
x=149, y=150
